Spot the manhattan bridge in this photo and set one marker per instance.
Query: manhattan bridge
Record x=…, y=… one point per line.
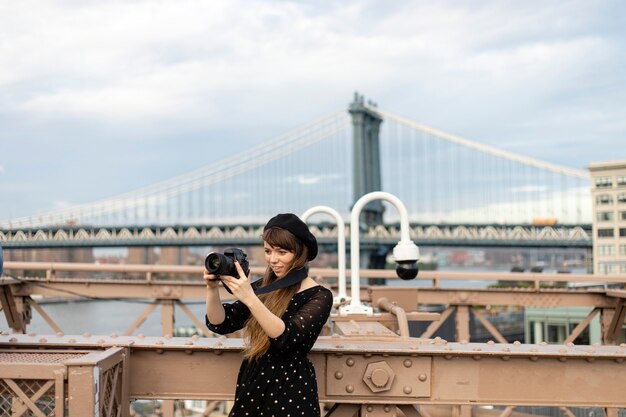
x=457, y=192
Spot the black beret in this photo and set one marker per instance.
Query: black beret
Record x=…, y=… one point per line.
x=293, y=224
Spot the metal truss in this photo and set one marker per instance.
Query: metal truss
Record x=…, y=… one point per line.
x=381, y=371
x=190, y=235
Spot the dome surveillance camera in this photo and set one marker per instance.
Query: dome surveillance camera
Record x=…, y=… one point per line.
x=407, y=270
x=406, y=254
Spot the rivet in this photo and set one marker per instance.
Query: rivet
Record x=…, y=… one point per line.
x=13, y=340
x=622, y=345
x=5, y=333
x=335, y=335
x=570, y=344
x=477, y=349
x=407, y=389
x=448, y=349
x=349, y=388
x=189, y=342
x=619, y=360
x=338, y=375
x=141, y=336
x=562, y=350
x=101, y=341
x=32, y=334
x=463, y=342
x=563, y=359
x=517, y=342
x=339, y=346
x=422, y=377
x=159, y=342
x=159, y=351
x=407, y=363
x=506, y=358
x=168, y=336
x=195, y=337
x=533, y=349
x=448, y=357
x=113, y=335
x=188, y=351
x=533, y=358
x=543, y=343
x=86, y=334
x=350, y=362
x=42, y=340
x=591, y=351
x=387, y=409
x=71, y=341
x=476, y=357
x=506, y=349
x=491, y=343
x=370, y=408
x=368, y=355
x=590, y=359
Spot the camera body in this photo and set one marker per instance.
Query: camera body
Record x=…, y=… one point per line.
x=224, y=264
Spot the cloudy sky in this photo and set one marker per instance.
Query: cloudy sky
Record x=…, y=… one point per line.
x=102, y=97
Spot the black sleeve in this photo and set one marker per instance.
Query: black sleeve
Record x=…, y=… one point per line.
x=306, y=324
x=236, y=315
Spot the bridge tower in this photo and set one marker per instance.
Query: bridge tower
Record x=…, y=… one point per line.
x=366, y=156
x=366, y=170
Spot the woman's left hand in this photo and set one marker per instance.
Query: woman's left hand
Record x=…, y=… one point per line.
x=241, y=288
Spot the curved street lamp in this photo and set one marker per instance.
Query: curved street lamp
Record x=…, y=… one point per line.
x=406, y=253
x=342, y=296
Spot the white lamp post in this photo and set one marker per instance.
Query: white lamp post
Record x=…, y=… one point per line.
x=406, y=253
x=341, y=247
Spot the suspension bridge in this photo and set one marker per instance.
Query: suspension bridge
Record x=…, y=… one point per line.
x=456, y=191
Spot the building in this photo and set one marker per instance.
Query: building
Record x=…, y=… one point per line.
x=608, y=192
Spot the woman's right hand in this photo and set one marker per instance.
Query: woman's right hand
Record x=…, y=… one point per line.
x=212, y=281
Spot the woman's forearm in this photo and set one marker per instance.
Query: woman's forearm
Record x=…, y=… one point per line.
x=272, y=325
x=214, y=308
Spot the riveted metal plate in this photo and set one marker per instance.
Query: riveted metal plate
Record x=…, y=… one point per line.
x=346, y=375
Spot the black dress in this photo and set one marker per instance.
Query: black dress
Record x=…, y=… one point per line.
x=282, y=382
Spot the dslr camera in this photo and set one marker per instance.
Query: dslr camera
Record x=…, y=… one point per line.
x=224, y=264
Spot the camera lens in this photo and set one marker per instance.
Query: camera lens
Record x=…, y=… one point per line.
x=219, y=264
x=213, y=263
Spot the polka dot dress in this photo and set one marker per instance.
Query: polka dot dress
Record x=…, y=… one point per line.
x=282, y=382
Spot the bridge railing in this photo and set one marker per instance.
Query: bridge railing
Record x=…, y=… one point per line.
x=168, y=286
x=194, y=273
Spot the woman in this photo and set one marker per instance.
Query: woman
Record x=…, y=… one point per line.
x=281, y=324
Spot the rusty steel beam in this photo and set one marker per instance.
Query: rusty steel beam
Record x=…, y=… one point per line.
x=490, y=327
x=373, y=370
x=410, y=298
x=406, y=298
x=581, y=326
x=11, y=312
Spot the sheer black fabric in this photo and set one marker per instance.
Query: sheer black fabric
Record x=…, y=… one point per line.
x=282, y=382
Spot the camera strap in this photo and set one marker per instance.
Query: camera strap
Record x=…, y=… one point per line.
x=288, y=280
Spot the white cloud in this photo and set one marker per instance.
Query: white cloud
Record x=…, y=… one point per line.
x=549, y=72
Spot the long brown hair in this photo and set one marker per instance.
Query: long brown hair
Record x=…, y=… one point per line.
x=276, y=301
